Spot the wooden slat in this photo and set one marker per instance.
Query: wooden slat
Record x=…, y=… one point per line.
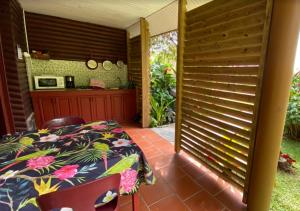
x=218, y=115
x=229, y=170
x=201, y=127
x=222, y=94
x=215, y=142
x=221, y=86
x=226, y=152
x=215, y=167
x=219, y=52
x=223, y=70
x=221, y=109
x=192, y=116
x=235, y=43
x=241, y=9
x=235, y=33
x=256, y=18
x=238, y=166
x=219, y=101
x=218, y=123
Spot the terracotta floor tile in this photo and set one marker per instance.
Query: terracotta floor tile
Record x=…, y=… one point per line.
x=184, y=187
x=232, y=199
x=152, y=152
x=153, y=193
x=179, y=160
x=171, y=203
x=171, y=172
x=159, y=161
x=128, y=206
x=204, y=201
x=212, y=183
x=179, y=177
x=193, y=170
x=125, y=200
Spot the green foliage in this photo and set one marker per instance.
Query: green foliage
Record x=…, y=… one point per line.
x=162, y=102
x=163, y=79
x=292, y=123
x=164, y=49
x=286, y=192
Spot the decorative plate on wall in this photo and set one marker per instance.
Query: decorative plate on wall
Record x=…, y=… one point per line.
x=91, y=64
x=107, y=65
x=120, y=63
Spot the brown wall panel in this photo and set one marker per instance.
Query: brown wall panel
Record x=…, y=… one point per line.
x=135, y=68
x=74, y=40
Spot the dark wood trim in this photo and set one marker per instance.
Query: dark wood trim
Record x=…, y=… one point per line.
x=4, y=98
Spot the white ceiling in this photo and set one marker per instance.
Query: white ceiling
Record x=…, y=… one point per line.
x=114, y=13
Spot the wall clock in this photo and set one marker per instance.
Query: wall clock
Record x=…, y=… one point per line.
x=91, y=64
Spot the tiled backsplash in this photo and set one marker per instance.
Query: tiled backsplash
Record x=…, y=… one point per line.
x=80, y=71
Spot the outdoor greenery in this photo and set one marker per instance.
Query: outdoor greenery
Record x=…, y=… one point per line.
x=286, y=193
x=292, y=124
x=163, y=78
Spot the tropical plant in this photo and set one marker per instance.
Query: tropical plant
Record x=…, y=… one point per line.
x=292, y=123
x=158, y=112
x=163, y=80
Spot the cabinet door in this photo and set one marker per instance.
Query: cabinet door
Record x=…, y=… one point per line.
x=100, y=111
x=48, y=108
x=67, y=106
x=86, y=108
x=129, y=102
x=117, y=111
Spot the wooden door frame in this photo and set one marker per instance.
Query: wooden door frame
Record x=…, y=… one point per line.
x=5, y=102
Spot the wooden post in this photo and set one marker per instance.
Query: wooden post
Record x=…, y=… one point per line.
x=179, y=71
x=145, y=48
x=278, y=72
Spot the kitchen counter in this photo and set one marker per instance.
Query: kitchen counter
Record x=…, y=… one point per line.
x=90, y=104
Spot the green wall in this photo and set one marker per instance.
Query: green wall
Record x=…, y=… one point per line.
x=79, y=70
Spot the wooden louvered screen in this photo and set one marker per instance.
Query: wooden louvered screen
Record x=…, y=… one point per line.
x=223, y=61
x=135, y=68
x=13, y=34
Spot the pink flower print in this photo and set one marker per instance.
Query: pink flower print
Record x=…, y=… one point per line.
x=121, y=143
x=40, y=162
x=99, y=127
x=49, y=138
x=117, y=130
x=66, y=172
x=68, y=136
x=128, y=180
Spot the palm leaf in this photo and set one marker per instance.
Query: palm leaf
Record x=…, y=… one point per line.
x=87, y=156
x=9, y=148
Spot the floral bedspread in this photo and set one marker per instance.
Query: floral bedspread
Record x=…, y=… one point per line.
x=39, y=162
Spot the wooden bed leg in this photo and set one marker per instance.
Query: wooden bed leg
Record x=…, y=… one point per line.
x=135, y=202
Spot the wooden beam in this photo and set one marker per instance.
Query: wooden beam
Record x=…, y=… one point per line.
x=179, y=72
x=262, y=64
x=278, y=73
x=145, y=49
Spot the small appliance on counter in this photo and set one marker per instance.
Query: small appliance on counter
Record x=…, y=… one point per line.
x=49, y=82
x=70, y=82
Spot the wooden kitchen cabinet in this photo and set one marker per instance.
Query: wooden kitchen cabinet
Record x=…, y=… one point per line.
x=91, y=105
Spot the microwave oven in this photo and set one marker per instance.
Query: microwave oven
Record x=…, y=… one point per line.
x=49, y=82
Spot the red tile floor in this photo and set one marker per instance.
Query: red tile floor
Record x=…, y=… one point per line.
x=182, y=183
